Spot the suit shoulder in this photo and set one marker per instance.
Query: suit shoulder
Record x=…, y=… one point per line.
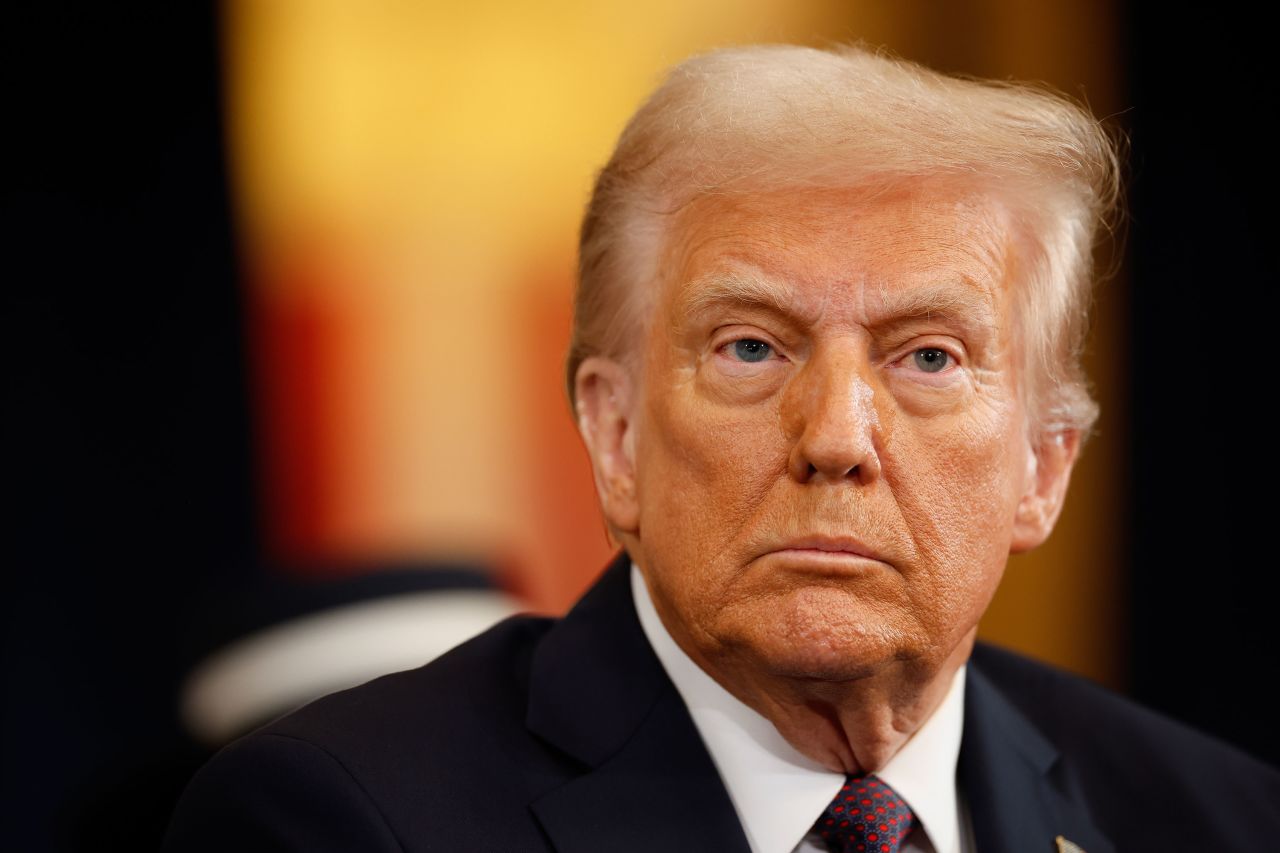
x=1064, y=701
x=418, y=755
x=1115, y=744
x=270, y=791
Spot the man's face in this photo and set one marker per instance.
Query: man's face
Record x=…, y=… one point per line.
x=829, y=438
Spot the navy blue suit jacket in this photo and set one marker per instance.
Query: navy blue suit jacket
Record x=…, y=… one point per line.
x=566, y=735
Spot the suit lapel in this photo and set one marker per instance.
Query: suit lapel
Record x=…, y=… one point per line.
x=1021, y=797
x=598, y=693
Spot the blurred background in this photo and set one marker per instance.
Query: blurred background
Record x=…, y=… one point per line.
x=289, y=293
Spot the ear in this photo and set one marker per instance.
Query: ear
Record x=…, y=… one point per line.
x=1044, y=488
x=605, y=404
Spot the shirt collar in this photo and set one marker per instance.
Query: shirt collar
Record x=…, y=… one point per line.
x=779, y=792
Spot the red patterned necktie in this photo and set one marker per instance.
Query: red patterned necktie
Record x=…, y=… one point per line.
x=867, y=816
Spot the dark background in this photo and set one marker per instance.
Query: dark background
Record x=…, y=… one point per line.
x=131, y=471
x=1202, y=616
x=134, y=479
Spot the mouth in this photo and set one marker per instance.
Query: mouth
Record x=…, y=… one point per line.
x=828, y=552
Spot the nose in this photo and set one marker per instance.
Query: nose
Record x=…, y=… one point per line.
x=832, y=414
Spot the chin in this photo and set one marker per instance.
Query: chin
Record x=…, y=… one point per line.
x=810, y=665
x=797, y=643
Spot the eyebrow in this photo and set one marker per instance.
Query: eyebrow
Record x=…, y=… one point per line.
x=946, y=300
x=739, y=289
x=958, y=301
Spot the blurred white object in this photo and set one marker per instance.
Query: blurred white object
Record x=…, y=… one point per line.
x=278, y=669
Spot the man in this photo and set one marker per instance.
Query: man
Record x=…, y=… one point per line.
x=826, y=366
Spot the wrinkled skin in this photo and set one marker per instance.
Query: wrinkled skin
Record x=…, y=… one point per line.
x=866, y=386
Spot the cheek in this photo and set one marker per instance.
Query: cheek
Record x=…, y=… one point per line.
x=957, y=489
x=704, y=471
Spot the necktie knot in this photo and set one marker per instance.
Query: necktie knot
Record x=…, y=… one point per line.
x=867, y=816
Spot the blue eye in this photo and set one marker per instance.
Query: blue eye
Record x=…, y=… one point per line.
x=749, y=349
x=931, y=360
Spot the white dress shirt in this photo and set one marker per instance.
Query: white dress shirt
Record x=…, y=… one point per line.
x=778, y=792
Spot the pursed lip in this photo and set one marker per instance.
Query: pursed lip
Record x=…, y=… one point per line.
x=832, y=545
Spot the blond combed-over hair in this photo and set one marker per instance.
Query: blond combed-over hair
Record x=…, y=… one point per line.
x=770, y=117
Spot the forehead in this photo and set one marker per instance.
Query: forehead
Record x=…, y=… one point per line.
x=832, y=252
